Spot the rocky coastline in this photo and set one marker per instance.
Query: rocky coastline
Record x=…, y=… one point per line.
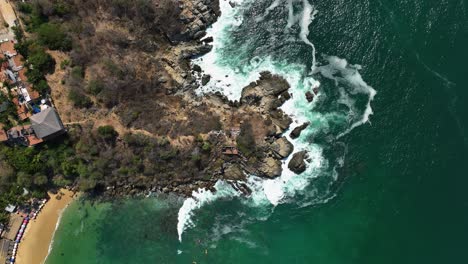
x=253, y=126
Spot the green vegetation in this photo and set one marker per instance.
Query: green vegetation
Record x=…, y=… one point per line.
x=95, y=87
x=107, y=132
x=54, y=37
x=34, y=169
x=9, y=113
x=79, y=99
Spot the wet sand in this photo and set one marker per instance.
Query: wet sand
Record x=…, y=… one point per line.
x=34, y=246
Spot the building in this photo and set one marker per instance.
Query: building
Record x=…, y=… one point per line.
x=23, y=135
x=230, y=151
x=47, y=124
x=10, y=208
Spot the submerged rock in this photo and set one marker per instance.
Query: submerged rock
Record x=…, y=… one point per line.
x=309, y=96
x=297, y=163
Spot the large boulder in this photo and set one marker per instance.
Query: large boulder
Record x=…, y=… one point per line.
x=234, y=172
x=282, y=147
x=298, y=130
x=270, y=168
x=297, y=163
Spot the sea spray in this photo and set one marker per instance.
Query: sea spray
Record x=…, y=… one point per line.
x=236, y=61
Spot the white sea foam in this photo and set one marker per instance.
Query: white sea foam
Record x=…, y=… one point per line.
x=230, y=81
x=342, y=72
x=198, y=199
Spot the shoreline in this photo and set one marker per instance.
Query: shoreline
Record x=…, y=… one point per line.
x=38, y=238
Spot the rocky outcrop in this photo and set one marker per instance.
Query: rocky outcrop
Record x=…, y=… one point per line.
x=197, y=15
x=297, y=163
x=234, y=172
x=205, y=79
x=282, y=148
x=298, y=130
x=270, y=168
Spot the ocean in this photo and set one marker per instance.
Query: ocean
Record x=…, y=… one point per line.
x=388, y=145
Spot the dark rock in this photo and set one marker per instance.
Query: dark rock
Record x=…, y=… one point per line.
x=200, y=34
x=232, y=4
x=208, y=40
x=197, y=68
x=205, y=79
x=298, y=130
x=297, y=163
x=309, y=96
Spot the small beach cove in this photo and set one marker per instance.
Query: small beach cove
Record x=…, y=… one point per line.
x=34, y=246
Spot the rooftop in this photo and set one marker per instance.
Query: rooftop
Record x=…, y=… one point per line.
x=46, y=123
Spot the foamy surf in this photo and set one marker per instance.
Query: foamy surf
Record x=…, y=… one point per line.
x=230, y=76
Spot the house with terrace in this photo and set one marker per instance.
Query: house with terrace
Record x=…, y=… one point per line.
x=44, y=126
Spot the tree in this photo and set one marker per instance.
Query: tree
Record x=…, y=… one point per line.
x=24, y=179
x=40, y=180
x=53, y=36
x=42, y=87
x=6, y=173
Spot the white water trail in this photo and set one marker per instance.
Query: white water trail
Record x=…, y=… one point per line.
x=292, y=19
x=274, y=5
x=308, y=15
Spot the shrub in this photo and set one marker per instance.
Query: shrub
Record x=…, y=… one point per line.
x=25, y=8
x=77, y=72
x=95, y=87
x=206, y=147
x=64, y=64
x=107, y=132
x=79, y=99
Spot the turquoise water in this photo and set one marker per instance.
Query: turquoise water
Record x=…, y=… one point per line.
x=389, y=191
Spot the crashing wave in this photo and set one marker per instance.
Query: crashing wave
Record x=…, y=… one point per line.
x=230, y=78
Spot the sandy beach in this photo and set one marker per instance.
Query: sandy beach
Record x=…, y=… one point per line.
x=34, y=247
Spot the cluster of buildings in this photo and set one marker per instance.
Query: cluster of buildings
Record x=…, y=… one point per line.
x=41, y=121
x=12, y=233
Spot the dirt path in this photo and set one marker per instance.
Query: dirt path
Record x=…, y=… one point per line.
x=9, y=17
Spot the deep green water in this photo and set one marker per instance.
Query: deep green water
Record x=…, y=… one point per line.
x=401, y=195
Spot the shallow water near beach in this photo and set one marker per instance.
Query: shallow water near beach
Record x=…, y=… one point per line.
x=387, y=187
